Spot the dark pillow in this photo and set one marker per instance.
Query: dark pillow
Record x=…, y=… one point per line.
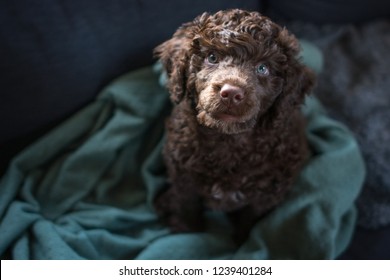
x=56, y=55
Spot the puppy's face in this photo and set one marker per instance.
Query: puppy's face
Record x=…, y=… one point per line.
x=232, y=92
x=234, y=66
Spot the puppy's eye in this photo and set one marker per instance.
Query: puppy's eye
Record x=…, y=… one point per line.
x=262, y=70
x=212, y=58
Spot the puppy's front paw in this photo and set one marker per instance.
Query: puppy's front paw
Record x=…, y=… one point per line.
x=162, y=205
x=179, y=224
x=179, y=216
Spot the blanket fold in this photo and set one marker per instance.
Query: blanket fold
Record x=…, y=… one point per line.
x=85, y=190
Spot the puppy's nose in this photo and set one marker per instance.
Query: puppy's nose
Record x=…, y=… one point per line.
x=233, y=94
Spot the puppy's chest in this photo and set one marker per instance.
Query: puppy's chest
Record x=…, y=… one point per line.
x=228, y=168
x=224, y=156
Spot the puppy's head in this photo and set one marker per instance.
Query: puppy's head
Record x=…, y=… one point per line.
x=236, y=67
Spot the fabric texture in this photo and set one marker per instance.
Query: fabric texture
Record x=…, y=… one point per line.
x=354, y=88
x=85, y=190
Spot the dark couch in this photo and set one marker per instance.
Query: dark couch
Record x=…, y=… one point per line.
x=55, y=56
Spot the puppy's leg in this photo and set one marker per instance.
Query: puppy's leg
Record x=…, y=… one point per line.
x=180, y=206
x=244, y=219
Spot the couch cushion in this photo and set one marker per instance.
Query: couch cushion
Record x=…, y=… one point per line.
x=56, y=55
x=330, y=11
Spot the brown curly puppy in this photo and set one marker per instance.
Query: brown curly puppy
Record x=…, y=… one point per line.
x=236, y=137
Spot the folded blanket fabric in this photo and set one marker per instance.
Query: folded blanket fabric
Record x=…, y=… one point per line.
x=85, y=190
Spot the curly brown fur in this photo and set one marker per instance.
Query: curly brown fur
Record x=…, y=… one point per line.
x=236, y=138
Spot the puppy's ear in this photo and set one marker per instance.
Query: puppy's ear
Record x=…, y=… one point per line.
x=174, y=56
x=305, y=81
x=300, y=80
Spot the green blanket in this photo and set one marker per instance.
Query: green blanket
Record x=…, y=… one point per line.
x=85, y=190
